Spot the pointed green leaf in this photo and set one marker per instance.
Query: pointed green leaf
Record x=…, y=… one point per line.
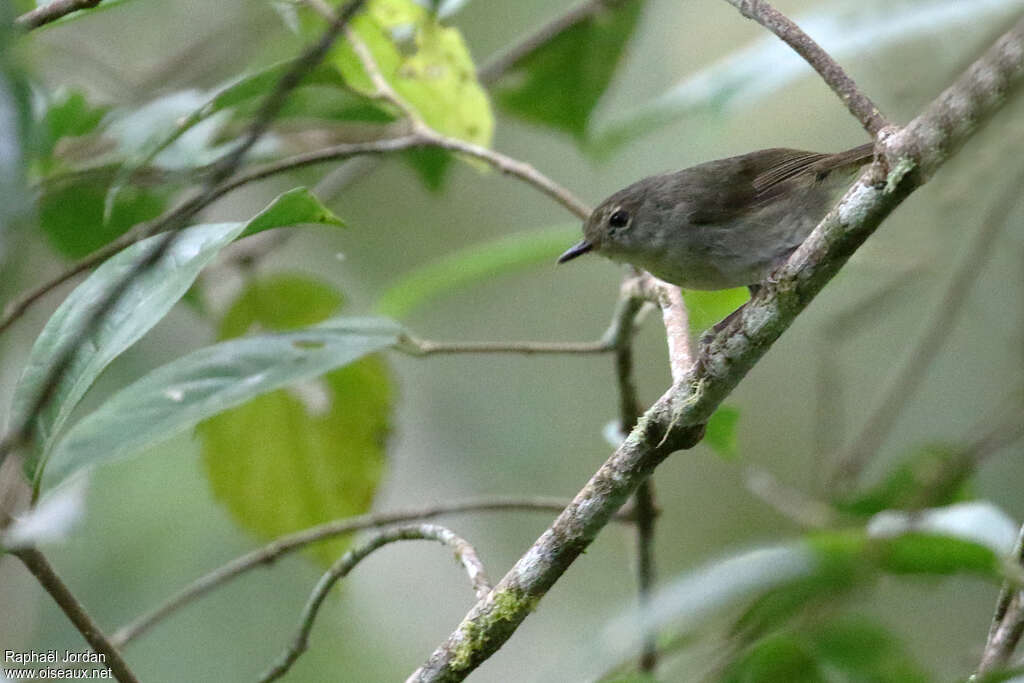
x=560, y=83
x=929, y=477
x=247, y=93
x=72, y=215
x=206, y=382
x=141, y=306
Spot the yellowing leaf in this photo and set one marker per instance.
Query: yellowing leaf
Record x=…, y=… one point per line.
x=427, y=64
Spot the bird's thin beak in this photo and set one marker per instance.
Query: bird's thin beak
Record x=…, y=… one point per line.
x=575, y=250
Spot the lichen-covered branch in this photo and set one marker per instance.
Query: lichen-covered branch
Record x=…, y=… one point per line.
x=1007, y=622
x=464, y=553
x=674, y=421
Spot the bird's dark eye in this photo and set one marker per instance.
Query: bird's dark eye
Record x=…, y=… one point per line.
x=618, y=219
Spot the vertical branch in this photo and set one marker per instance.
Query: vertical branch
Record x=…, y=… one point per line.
x=37, y=563
x=645, y=510
x=680, y=353
x=1007, y=622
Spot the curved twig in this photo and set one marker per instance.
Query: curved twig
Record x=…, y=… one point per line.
x=270, y=553
x=464, y=553
x=834, y=76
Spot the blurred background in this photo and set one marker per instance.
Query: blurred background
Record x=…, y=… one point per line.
x=506, y=425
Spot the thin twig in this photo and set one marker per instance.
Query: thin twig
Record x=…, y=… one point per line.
x=677, y=324
x=646, y=571
x=1007, y=622
x=424, y=138
x=630, y=409
x=270, y=553
x=37, y=563
x=52, y=11
x=497, y=66
x=420, y=138
x=419, y=347
x=464, y=553
x=428, y=138
x=834, y=76
x=902, y=384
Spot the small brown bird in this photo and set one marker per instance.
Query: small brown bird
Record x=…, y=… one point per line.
x=724, y=223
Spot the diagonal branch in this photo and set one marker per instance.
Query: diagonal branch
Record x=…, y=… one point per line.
x=1007, y=622
x=464, y=553
x=37, y=563
x=675, y=420
x=834, y=76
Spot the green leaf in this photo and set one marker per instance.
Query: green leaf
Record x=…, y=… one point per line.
x=72, y=216
x=780, y=658
x=280, y=302
x=326, y=83
x=141, y=306
x=864, y=651
x=426, y=63
x=966, y=537
x=206, y=382
x=473, y=264
x=930, y=477
x=721, y=432
x=291, y=208
x=849, y=649
x=560, y=83
x=294, y=458
x=310, y=464
x=69, y=114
